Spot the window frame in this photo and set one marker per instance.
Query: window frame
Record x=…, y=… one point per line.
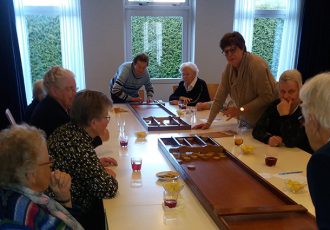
x=184, y=10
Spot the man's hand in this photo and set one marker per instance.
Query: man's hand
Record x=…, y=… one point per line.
x=108, y=161
x=275, y=141
x=284, y=107
x=137, y=99
x=201, y=126
x=60, y=184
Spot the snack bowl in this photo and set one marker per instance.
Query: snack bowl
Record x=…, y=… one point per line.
x=295, y=185
x=174, y=186
x=141, y=134
x=247, y=149
x=180, y=112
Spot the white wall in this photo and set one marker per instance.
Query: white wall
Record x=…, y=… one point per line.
x=103, y=36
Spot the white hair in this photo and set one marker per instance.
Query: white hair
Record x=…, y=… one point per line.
x=315, y=96
x=291, y=75
x=191, y=66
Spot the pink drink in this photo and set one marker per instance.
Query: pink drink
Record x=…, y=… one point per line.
x=123, y=143
x=136, y=166
x=171, y=203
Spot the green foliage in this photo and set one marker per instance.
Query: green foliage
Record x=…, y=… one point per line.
x=266, y=42
x=161, y=39
x=44, y=39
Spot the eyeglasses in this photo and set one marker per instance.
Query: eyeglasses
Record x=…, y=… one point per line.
x=230, y=50
x=107, y=117
x=50, y=162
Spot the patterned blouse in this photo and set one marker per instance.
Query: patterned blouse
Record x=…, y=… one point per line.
x=72, y=150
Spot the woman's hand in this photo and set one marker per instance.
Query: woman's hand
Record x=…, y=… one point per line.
x=203, y=106
x=60, y=184
x=137, y=99
x=108, y=161
x=284, y=107
x=231, y=112
x=185, y=100
x=201, y=126
x=174, y=102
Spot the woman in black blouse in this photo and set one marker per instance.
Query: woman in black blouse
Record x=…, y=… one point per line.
x=192, y=89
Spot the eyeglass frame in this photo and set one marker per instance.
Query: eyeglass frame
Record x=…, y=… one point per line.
x=230, y=50
x=49, y=162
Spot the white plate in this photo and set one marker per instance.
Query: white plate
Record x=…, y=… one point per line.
x=167, y=175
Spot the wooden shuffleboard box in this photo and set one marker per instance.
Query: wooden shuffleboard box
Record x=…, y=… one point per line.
x=156, y=117
x=233, y=194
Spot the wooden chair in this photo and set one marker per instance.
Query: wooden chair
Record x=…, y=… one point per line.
x=212, y=88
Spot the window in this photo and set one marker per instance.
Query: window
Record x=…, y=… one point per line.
x=163, y=30
x=49, y=33
x=270, y=29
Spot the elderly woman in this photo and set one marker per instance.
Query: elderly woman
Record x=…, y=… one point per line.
x=247, y=79
x=25, y=174
x=72, y=151
x=39, y=94
x=315, y=97
x=52, y=112
x=281, y=122
x=192, y=89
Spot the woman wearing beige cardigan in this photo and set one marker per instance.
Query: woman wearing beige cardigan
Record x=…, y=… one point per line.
x=248, y=81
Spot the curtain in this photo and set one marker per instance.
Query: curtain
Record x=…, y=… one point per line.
x=12, y=92
x=71, y=37
x=314, y=50
x=290, y=36
x=244, y=20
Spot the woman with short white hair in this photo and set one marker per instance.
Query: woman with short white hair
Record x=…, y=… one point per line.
x=315, y=97
x=192, y=89
x=25, y=173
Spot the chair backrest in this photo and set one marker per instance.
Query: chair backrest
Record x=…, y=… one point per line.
x=212, y=88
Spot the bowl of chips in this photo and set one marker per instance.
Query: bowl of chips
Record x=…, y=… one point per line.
x=141, y=134
x=247, y=149
x=295, y=185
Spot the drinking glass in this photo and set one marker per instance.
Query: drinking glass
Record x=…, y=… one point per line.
x=136, y=163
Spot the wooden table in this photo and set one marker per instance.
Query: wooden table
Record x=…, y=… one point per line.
x=138, y=204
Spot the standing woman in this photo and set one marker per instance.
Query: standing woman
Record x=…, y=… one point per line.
x=315, y=97
x=248, y=81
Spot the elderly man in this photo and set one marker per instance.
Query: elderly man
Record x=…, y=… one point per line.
x=129, y=78
x=315, y=97
x=52, y=112
x=281, y=122
x=192, y=89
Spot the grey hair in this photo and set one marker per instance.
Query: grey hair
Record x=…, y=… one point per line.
x=38, y=89
x=315, y=96
x=55, y=75
x=291, y=75
x=19, y=150
x=191, y=66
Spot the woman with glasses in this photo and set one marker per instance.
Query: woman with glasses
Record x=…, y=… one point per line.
x=315, y=97
x=282, y=123
x=248, y=81
x=25, y=173
x=72, y=151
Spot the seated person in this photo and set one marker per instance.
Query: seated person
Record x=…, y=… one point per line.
x=315, y=96
x=72, y=151
x=192, y=89
x=39, y=93
x=129, y=78
x=25, y=173
x=52, y=112
x=281, y=122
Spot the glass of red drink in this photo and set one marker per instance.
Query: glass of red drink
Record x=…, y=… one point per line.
x=123, y=141
x=136, y=163
x=170, y=199
x=270, y=160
